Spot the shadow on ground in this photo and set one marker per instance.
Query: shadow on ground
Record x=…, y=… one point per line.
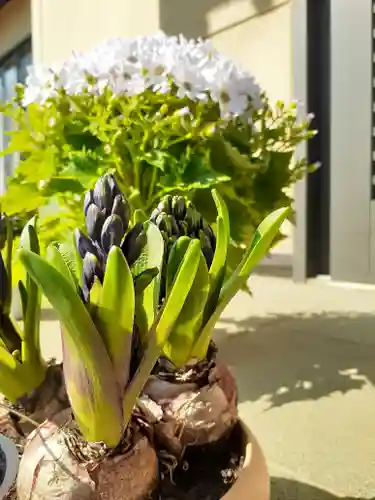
x=289, y=489
x=286, y=358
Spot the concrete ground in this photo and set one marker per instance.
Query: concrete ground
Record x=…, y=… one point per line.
x=304, y=356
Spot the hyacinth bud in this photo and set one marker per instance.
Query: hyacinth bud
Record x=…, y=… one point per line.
x=103, y=194
x=208, y=231
x=122, y=209
x=84, y=244
x=183, y=228
x=134, y=243
x=166, y=204
x=95, y=219
x=112, y=232
x=207, y=249
x=173, y=224
x=114, y=187
x=88, y=200
x=193, y=219
x=179, y=207
x=91, y=268
x=163, y=222
x=154, y=215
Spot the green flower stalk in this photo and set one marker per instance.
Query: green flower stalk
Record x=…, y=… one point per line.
x=22, y=368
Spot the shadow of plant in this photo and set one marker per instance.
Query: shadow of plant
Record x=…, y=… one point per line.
x=285, y=358
x=289, y=489
x=190, y=18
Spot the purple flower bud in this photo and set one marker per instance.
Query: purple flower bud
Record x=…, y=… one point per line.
x=112, y=232
x=122, y=209
x=94, y=222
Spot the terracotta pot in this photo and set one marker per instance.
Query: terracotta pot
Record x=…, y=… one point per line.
x=253, y=482
x=11, y=458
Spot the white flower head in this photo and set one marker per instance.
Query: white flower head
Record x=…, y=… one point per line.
x=132, y=65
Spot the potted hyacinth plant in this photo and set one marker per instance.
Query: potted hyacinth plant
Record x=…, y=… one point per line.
x=98, y=450
x=166, y=115
x=29, y=384
x=138, y=294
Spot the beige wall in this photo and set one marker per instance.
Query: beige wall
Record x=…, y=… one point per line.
x=60, y=26
x=15, y=24
x=257, y=33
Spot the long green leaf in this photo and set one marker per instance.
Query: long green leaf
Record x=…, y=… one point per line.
x=115, y=314
x=147, y=301
x=218, y=267
x=222, y=211
x=8, y=264
x=55, y=258
x=178, y=252
x=90, y=379
x=12, y=385
x=259, y=247
x=163, y=325
x=182, y=338
x=31, y=346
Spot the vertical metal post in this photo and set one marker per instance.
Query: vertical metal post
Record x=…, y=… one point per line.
x=351, y=133
x=299, y=27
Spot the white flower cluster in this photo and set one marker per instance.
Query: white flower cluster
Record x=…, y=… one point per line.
x=133, y=65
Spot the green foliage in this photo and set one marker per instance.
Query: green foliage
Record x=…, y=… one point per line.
x=21, y=365
x=153, y=148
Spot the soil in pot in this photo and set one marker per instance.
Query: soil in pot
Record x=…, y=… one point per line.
x=58, y=464
x=207, y=472
x=194, y=405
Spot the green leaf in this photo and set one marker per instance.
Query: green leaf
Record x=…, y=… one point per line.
x=222, y=211
x=31, y=346
x=89, y=376
x=139, y=216
x=23, y=296
x=62, y=185
x=163, y=325
x=218, y=267
x=8, y=265
x=182, y=338
x=261, y=243
x=55, y=258
x=115, y=314
x=143, y=280
x=147, y=301
x=12, y=385
x=239, y=160
x=176, y=256
x=22, y=197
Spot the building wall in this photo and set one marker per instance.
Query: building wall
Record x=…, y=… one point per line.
x=15, y=24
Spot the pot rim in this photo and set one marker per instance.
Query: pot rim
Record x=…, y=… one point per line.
x=12, y=463
x=253, y=482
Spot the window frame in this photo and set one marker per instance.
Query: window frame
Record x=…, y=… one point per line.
x=13, y=58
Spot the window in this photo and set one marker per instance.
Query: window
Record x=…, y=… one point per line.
x=13, y=69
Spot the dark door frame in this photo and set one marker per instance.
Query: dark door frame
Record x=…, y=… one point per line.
x=311, y=78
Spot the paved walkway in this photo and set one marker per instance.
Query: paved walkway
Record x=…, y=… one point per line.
x=304, y=356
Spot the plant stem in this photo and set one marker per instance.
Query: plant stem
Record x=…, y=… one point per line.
x=152, y=185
